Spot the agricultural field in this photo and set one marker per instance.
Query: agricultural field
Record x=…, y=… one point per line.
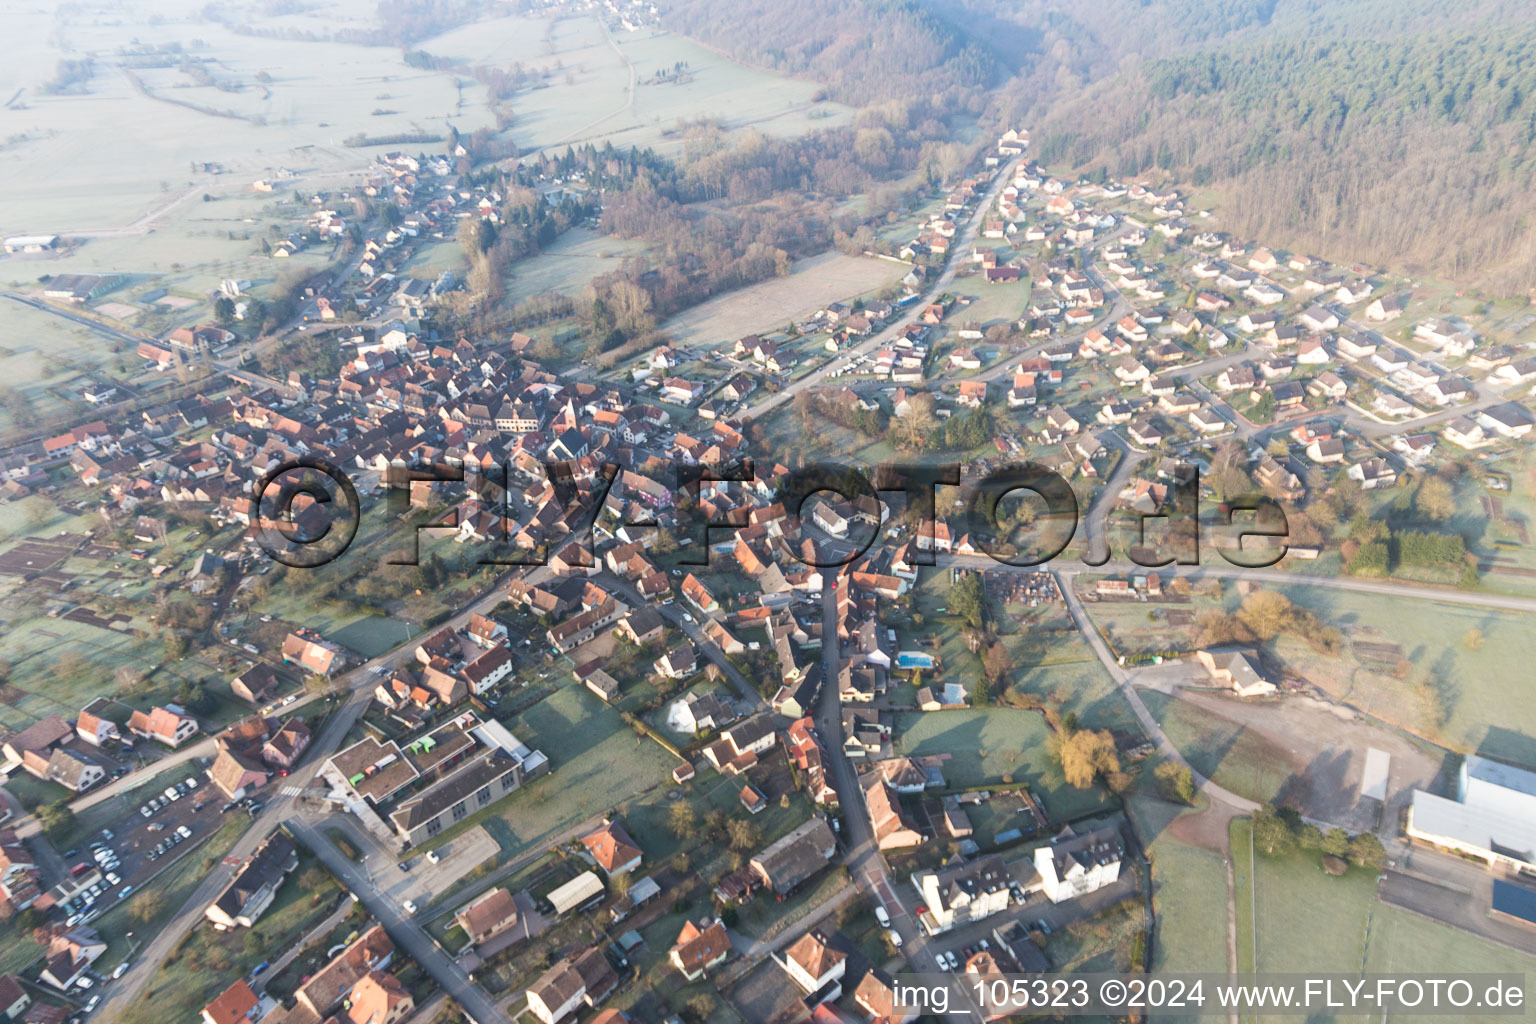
x=111, y=177
x=768, y=305
x=41, y=355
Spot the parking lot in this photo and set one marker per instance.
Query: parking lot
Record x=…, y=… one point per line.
x=155, y=828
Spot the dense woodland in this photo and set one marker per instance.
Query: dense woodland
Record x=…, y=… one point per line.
x=862, y=50
x=1398, y=132
x=1412, y=152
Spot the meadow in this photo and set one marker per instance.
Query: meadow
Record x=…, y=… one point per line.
x=990, y=746
x=1301, y=919
x=598, y=764
x=812, y=283
x=1461, y=685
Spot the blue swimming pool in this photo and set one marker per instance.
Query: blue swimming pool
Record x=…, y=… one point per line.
x=914, y=659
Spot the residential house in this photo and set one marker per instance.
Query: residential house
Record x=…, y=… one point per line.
x=814, y=964
x=168, y=725
x=611, y=848
x=487, y=916
x=789, y=861
x=963, y=893
x=1074, y=865
x=583, y=978
x=251, y=892
x=699, y=947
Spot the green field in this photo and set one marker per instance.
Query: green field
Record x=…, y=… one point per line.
x=1310, y=921
x=1221, y=750
x=985, y=745
x=598, y=765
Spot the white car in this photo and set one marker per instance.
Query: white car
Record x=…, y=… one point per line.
x=184, y=832
x=92, y=1003
x=191, y=783
x=120, y=970
x=895, y=938
x=410, y=907
x=432, y=857
x=146, y=811
x=882, y=916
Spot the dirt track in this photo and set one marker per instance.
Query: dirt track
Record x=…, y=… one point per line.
x=1323, y=747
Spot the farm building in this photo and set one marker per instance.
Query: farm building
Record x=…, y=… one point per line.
x=1492, y=818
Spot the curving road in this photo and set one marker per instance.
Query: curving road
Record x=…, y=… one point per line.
x=964, y=237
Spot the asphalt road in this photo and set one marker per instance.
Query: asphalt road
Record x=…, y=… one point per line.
x=964, y=237
x=406, y=933
x=277, y=808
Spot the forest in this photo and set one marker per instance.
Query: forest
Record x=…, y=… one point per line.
x=862, y=50
x=1395, y=132
x=1412, y=152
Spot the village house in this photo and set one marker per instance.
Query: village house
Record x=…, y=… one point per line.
x=168, y=725
x=699, y=947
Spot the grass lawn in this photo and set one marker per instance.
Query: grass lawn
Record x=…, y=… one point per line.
x=1243, y=855
x=599, y=764
x=1189, y=896
x=1306, y=920
x=1219, y=749
x=17, y=950
x=986, y=744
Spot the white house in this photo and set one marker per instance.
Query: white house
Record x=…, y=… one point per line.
x=956, y=896
x=1074, y=865
x=816, y=966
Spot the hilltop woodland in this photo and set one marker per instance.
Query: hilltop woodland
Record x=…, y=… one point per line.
x=1398, y=132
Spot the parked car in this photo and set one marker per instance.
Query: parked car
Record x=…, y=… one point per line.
x=410, y=907
x=882, y=916
x=432, y=857
x=146, y=811
x=120, y=970
x=895, y=938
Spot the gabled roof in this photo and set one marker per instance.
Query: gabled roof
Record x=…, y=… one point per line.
x=611, y=847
